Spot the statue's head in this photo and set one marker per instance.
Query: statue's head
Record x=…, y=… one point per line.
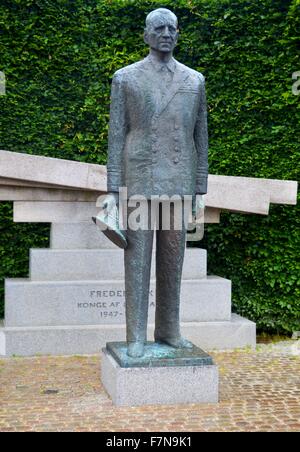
x=161, y=32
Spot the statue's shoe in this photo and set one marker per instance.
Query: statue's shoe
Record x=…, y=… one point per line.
x=175, y=342
x=135, y=349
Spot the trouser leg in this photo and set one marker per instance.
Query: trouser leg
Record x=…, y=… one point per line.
x=170, y=250
x=137, y=281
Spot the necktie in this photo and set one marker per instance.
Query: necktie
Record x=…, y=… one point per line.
x=166, y=78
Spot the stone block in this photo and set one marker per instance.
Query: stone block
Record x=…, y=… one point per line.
x=31, y=304
x=79, y=236
x=2, y=340
x=90, y=339
x=6, y=182
x=54, y=212
x=23, y=193
x=238, y=199
x=223, y=191
x=99, y=265
x=280, y=191
x=72, y=212
x=137, y=386
x=215, y=335
x=70, y=236
x=52, y=171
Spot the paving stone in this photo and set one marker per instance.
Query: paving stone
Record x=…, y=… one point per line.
x=83, y=405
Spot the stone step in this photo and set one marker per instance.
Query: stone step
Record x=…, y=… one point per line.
x=90, y=339
x=30, y=303
x=72, y=236
x=72, y=212
x=99, y=265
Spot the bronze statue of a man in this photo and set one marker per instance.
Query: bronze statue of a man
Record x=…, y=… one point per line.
x=157, y=146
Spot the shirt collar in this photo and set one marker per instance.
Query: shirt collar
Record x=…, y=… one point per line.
x=171, y=65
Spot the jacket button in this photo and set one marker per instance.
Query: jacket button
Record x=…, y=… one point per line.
x=176, y=127
x=176, y=160
x=177, y=149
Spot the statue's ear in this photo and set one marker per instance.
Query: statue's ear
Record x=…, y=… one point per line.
x=146, y=36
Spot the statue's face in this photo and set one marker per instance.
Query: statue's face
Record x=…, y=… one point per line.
x=162, y=33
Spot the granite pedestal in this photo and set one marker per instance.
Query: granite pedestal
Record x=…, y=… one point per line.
x=74, y=299
x=163, y=376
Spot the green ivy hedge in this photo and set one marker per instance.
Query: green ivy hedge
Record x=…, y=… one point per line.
x=59, y=57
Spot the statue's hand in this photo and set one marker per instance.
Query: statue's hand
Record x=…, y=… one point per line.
x=110, y=201
x=109, y=209
x=108, y=219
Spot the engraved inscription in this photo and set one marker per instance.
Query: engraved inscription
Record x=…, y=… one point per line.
x=109, y=304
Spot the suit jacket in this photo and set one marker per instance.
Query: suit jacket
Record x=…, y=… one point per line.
x=157, y=143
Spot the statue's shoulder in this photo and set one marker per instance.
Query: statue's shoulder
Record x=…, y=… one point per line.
x=129, y=71
x=192, y=73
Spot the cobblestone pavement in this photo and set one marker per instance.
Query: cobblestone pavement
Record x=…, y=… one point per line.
x=260, y=391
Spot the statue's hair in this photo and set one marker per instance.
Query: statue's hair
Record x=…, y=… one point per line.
x=159, y=11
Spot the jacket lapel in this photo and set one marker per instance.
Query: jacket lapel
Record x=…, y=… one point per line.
x=179, y=78
x=147, y=86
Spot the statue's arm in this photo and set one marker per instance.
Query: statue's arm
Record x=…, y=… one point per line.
x=201, y=142
x=117, y=135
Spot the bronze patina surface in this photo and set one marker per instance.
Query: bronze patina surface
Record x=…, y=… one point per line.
x=157, y=145
x=159, y=355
